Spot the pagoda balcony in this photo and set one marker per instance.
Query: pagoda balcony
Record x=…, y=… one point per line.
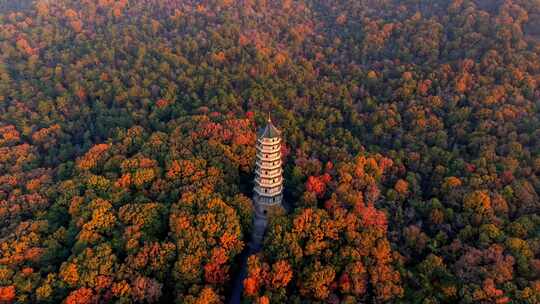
x=270, y=165
x=268, y=176
x=269, y=183
x=268, y=149
x=267, y=157
x=269, y=173
x=268, y=191
x=269, y=141
x=270, y=200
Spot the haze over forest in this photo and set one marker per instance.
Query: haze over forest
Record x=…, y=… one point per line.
x=411, y=150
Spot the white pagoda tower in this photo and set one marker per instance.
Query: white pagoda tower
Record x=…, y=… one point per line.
x=268, y=190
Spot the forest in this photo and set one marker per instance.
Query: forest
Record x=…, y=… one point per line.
x=411, y=133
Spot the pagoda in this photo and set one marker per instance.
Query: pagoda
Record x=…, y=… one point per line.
x=268, y=189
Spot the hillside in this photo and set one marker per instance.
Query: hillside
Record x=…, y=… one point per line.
x=411, y=135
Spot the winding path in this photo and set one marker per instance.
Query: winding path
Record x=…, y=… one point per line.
x=238, y=284
x=254, y=246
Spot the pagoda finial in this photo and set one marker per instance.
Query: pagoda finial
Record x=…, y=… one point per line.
x=269, y=118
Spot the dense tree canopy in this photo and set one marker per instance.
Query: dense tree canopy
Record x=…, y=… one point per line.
x=411, y=150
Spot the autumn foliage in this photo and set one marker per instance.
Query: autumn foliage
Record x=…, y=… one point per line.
x=411, y=150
